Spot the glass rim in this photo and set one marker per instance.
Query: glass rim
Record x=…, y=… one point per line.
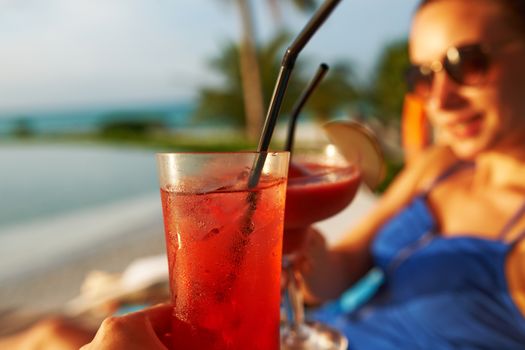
x=218, y=152
x=350, y=170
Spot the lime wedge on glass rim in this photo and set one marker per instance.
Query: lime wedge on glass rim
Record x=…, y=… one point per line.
x=358, y=144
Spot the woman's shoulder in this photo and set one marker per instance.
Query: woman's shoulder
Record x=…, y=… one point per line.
x=415, y=177
x=430, y=164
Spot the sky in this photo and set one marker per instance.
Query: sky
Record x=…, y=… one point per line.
x=76, y=53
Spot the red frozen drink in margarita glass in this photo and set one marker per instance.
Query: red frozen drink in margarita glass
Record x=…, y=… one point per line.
x=318, y=188
x=321, y=184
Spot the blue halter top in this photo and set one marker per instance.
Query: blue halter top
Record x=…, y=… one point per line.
x=439, y=292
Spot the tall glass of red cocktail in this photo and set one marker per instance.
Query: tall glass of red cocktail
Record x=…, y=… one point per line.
x=224, y=243
x=321, y=183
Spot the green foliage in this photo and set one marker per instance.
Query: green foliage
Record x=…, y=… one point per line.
x=389, y=87
x=22, y=128
x=131, y=124
x=393, y=167
x=336, y=91
x=159, y=142
x=225, y=103
x=305, y=5
x=270, y=56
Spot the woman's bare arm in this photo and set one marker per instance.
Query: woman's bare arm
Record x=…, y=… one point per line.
x=331, y=271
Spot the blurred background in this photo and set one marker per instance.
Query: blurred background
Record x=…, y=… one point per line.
x=91, y=89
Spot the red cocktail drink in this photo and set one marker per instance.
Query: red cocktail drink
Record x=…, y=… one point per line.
x=315, y=192
x=321, y=183
x=224, y=252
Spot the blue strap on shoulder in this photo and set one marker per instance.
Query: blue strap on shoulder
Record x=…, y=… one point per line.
x=512, y=221
x=451, y=170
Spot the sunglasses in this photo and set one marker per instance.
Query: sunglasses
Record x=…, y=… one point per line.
x=466, y=65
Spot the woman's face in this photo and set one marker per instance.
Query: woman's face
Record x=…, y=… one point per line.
x=472, y=119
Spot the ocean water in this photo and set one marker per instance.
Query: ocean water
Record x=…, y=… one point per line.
x=45, y=180
x=91, y=118
x=48, y=180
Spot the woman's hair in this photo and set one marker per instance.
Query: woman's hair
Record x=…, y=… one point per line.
x=514, y=10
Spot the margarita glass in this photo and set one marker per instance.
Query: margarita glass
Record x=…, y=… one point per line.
x=321, y=183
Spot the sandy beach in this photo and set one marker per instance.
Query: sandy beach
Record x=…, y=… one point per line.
x=104, y=238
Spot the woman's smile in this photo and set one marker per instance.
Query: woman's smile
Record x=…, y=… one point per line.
x=465, y=126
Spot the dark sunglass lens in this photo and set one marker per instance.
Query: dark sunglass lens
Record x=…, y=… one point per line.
x=419, y=80
x=467, y=65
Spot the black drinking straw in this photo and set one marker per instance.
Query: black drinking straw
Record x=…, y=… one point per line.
x=319, y=75
x=281, y=84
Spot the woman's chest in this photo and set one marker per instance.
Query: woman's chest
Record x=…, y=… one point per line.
x=460, y=209
x=410, y=250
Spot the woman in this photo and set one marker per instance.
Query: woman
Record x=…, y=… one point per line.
x=448, y=233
